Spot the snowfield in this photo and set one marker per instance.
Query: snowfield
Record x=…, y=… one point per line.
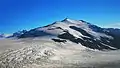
x=45, y=53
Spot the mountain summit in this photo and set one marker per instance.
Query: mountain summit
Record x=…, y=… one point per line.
x=79, y=32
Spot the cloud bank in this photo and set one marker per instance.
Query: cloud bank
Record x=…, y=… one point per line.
x=114, y=25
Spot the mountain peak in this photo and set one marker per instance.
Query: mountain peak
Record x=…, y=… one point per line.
x=73, y=21
x=66, y=20
x=83, y=21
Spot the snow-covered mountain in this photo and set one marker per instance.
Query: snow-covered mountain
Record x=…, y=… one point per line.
x=62, y=44
x=80, y=32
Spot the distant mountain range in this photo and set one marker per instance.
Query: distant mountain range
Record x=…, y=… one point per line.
x=2, y=36
x=77, y=31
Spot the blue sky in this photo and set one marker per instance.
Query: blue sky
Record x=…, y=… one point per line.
x=27, y=14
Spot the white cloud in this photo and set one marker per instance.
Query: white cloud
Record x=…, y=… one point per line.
x=6, y=35
x=114, y=25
